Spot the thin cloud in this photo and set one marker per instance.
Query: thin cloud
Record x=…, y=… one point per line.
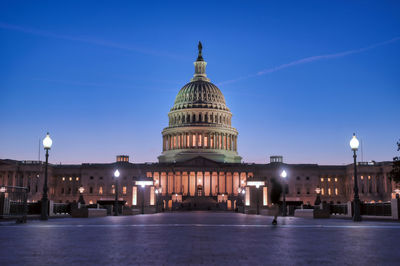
x=310, y=59
x=98, y=42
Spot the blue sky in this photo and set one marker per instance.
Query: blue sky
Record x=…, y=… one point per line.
x=299, y=76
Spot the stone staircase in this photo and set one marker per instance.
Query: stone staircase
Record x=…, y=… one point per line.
x=201, y=203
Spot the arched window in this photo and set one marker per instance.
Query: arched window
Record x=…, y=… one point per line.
x=91, y=190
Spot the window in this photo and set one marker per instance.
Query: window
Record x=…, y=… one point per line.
x=77, y=178
x=113, y=189
x=362, y=177
x=336, y=191
x=69, y=190
x=62, y=191
x=335, y=179
x=369, y=177
x=322, y=179
x=91, y=177
x=322, y=191
x=298, y=178
x=63, y=179
x=329, y=179
x=101, y=190
x=91, y=190
x=307, y=178
x=101, y=178
x=298, y=192
x=124, y=190
x=70, y=179
x=329, y=191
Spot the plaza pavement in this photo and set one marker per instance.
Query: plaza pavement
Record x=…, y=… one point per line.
x=208, y=238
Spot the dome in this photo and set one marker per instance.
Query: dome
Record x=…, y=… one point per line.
x=199, y=122
x=200, y=94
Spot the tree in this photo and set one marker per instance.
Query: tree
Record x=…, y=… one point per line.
x=395, y=173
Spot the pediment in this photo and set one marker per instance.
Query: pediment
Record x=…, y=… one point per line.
x=199, y=161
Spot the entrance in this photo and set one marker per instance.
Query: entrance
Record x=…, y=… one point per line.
x=199, y=190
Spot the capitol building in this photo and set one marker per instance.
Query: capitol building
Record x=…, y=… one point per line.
x=199, y=166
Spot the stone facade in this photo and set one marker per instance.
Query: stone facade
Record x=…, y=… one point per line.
x=197, y=177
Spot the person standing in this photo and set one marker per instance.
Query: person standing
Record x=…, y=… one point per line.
x=276, y=191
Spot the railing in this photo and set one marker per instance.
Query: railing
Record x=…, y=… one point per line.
x=376, y=209
x=13, y=202
x=338, y=209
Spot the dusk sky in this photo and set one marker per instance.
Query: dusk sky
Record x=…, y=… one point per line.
x=299, y=76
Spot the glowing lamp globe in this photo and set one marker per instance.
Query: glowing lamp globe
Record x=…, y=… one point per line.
x=283, y=174
x=116, y=173
x=81, y=190
x=318, y=190
x=47, y=142
x=354, y=143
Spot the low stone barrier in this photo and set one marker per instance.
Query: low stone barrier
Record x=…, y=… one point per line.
x=304, y=213
x=88, y=213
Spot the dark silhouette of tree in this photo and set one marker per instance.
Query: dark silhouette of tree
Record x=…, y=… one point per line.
x=395, y=173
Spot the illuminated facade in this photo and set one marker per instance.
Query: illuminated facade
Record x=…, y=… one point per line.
x=199, y=160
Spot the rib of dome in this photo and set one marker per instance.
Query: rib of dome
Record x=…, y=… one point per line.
x=200, y=94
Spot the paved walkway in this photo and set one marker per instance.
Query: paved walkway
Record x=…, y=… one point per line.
x=199, y=238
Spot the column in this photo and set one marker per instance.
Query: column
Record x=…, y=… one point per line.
x=166, y=179
x=163, y=143
x=188, y=173
x=211, y=184
x=233, y=191
x=195, y=183
x=226, y=190
x=203, y=183
x=173, y=183
x=218, y=182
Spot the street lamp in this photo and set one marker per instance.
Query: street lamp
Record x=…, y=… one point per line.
x=81, y=190
x=47, y=142
x=318, y=199
x=284, y=175
x=116, y=175
x=354, y=146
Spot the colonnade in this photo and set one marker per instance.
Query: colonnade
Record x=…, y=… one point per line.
x=179, y=118
x=204, y=140
x=199, y=183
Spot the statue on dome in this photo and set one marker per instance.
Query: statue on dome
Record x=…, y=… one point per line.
x=200, y=47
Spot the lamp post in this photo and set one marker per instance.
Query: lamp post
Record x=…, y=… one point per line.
x=258, y=204
x=284, y=175
x=47, y=142
x=143, y=186
x=81, y=190
x=318, y=199
x=116, y=175
x=356, y=203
